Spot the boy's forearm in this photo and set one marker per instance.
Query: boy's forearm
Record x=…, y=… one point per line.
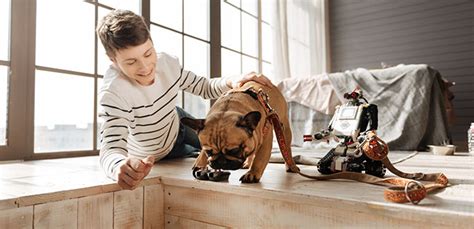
x=109, y=161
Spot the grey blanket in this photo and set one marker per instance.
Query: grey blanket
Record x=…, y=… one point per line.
x=409, y=99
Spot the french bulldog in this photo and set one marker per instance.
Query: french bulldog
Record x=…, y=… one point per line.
x=236, y=133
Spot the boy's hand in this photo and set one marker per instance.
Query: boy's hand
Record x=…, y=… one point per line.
x=252, y=76
x=132, y=171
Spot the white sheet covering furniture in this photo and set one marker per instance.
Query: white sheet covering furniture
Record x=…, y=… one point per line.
x=412, y=111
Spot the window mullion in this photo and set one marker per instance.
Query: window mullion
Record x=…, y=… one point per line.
x=215, y=39
x=21, y=82
x=146, y=11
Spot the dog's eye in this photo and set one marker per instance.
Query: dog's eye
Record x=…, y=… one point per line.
x=235, y=151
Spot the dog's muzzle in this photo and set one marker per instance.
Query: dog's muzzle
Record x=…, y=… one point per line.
x=221, y=162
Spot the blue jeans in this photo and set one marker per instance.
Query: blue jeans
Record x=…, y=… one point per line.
x=187, y=143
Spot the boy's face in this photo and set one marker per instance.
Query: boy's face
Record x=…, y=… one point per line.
x=137, y=63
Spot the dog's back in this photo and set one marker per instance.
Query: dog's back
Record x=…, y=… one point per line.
x=242, y=101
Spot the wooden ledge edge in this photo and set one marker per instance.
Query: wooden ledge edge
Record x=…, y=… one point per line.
x=24, y=201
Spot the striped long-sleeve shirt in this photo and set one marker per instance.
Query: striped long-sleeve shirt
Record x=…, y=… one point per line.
x=142, y=120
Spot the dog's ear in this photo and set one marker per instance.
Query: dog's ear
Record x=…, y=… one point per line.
x=250, y=121
x=195, y=124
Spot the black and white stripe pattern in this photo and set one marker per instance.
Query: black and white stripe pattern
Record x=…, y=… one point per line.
x=141, y=121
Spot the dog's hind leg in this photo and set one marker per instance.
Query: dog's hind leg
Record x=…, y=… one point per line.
x=288, y=137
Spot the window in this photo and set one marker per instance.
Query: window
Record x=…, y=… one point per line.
x=133, y=5
x=267, y=39
x=240, y=22
x=64, y=76
x=64, y=112
x=48, y=107
x=181, y=28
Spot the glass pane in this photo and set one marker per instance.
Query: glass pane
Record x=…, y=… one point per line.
x=196, y=18
x=4, y=29
x=249, y=65
x=230, y=27
x=196, y=56
x=267, y=70
x=167, y=13
x=133, y=5
x=64, y=111
x=167, y=41
x=233, y=2
x=267, y=10
x=231, y=64
x=250, y=6
x=103, y=60
x=3, y=103
x=267, y=42
x=65, y=35
x=196, y=59
x=249, y=35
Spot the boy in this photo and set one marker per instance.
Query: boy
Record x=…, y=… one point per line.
x=137, y=101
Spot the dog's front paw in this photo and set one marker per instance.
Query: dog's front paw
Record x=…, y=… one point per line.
x=250, y=177
x=200, y=173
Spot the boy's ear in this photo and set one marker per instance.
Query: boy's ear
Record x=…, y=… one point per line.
x=195, y=124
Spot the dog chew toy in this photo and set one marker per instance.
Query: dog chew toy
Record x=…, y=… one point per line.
x=212, y=175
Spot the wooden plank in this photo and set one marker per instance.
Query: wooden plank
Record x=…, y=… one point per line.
x=249, y=212
x=7, y=202
x=61, y=214
x=7, y=199
x=277, y=184
x=179, y=222
x=25, y=169
x=153, y=207
x=128, y=209
x=277, y=189
x=96, y=211
x=46, y=197
x=17, y=218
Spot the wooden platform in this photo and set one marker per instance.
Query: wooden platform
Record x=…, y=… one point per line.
x=74, y=193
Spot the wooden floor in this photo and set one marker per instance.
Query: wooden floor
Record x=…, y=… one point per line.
x=281, y=199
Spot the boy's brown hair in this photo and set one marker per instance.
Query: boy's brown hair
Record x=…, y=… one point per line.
x=121, y=29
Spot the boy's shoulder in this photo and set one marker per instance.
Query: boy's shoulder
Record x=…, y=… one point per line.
x=166, y=56
x=114, y=81
x=165, y=59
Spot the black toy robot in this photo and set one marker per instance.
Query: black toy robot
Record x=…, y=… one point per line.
x=350, y=126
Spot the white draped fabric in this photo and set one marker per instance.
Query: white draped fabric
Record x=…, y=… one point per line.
x=300, y=50
x=300, y=38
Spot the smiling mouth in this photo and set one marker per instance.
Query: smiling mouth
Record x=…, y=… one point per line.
x=147, y=75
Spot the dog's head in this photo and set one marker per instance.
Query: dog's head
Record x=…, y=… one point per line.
x=227, y=138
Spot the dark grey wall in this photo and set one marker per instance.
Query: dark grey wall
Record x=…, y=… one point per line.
x=440, y=33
